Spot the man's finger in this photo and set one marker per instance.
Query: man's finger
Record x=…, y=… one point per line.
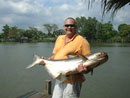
x=43, y=57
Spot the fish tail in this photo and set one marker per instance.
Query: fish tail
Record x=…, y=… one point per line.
x=36, y=58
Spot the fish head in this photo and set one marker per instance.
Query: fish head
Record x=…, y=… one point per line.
x=101, y=56
x=98, y=56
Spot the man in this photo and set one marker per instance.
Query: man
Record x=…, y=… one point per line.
x=70, y=44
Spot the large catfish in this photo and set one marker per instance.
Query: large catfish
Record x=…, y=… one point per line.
x=60, y=69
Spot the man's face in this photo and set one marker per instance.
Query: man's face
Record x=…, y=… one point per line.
x=69, y=27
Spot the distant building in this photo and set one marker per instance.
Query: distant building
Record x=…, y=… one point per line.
x=24, y=39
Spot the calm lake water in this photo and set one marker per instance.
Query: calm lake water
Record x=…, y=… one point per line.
x=111, y=80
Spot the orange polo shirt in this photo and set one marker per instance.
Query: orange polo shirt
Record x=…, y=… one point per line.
x=77, y=44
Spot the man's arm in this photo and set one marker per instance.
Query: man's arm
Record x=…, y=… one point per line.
x=85, y=48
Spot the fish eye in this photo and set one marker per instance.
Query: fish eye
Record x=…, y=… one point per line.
x=99, y=55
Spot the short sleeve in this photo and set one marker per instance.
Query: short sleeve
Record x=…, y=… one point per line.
x=55, y=47
x=85, y=48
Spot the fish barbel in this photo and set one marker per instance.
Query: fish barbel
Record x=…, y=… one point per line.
x=59, y=69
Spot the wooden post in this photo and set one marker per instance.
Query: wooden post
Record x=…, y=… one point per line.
x=47, y=85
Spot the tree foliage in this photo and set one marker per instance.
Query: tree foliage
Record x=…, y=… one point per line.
x=48, y=27
x=111, y=5
x=92, y=29
x=6, y=29
x=51, y=28
x=124, y=30
x=89, y=27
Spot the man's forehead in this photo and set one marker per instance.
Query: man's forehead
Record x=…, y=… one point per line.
x=69, y=21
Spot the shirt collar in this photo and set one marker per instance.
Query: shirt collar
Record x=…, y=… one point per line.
x=74, y=36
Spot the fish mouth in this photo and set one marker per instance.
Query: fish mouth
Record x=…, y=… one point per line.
x=103, y=56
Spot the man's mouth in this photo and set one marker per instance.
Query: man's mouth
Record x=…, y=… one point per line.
x=69, y=30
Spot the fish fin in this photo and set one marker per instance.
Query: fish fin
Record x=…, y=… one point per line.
x=62, y=78
x=91, y=71
x=82, y=56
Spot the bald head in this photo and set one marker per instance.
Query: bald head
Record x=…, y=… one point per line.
x=70, y=19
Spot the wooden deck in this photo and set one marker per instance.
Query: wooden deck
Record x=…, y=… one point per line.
x=34, y=94
x=40, y=95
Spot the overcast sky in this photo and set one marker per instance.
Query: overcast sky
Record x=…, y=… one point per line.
x=25, y=13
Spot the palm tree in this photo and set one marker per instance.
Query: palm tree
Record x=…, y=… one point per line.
x=113, y=5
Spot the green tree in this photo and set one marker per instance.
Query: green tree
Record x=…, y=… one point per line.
x=107, y=31
x=12, y=32
x=87, y=27
x=98, y=30
x=58, y=32
x=81, y=23
x=48, y=27
x=91, y=28
x=5, y=30
x=55, y=27
x=51, y=29
x=124, y=30
x=32, y=33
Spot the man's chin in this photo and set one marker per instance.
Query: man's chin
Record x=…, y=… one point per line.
x=68, y=33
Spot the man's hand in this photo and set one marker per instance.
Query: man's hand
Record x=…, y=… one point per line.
x=42, y=62
x=81, y=69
